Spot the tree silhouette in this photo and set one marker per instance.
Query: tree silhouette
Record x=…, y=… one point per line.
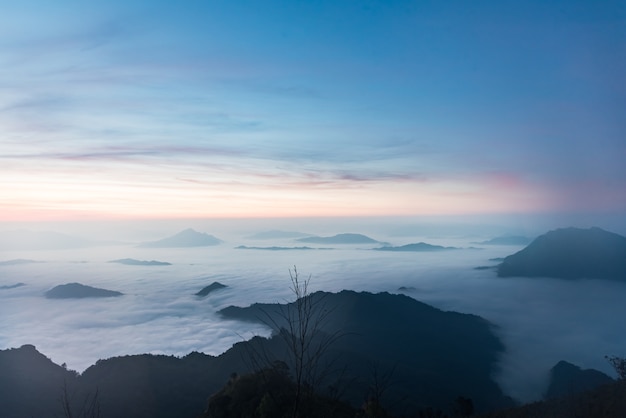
x=299, y=325
x=619, y=364
x=90, y=407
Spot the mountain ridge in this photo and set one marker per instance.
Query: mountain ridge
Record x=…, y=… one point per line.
x=185, y=238
x=345, y=238
x=570, y=253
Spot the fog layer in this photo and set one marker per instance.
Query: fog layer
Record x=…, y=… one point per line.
x=541, y=321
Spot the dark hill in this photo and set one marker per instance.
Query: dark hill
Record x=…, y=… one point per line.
x=340, y=239
x=454, y=353
x=139, y=386
x=77, y=290
x=431, y=356
x=568, y=379
x=31, y=385
x=418, y=247
x=186, y=238
x=607, y=401
x=570, y=253
x=211, y=288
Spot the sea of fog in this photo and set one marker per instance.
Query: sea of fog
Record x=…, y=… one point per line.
x=541, y=321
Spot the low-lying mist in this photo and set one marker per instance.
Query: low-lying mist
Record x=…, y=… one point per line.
x=541, y=321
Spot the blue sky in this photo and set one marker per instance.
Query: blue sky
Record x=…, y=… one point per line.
x=311, y=108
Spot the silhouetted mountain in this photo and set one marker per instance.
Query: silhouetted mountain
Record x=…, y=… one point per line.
x=340, y=239
x=139, y=386
x=454, y=353
x=507, y=240
x=243, y=247
x=418, y=247
x=77, y=290
x=20, y=240
x=568, y=379
x=12, y=286
x=133, y=262
x=211, y=288
x=31, y=385
x=607, y=401
x=18, y=261
x=570, y=253
x=278, y=235
x=431, y=356
x=186, y=238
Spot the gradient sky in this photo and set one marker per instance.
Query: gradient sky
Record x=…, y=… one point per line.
x=214, y=108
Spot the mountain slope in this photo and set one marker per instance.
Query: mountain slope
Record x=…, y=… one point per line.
x=607, y=401
x=568, y=379
x=570, y=253
x=454, y=353
x=186, y=238
x=431, y=356
x=77, y=291
x=31, y=385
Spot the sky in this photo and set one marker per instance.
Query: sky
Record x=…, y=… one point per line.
x=215, y=108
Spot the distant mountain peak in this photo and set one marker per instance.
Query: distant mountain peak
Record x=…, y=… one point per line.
x=211, y=288
x=416, y=247
x=507, y=240
x=278, y=234
x=567, y=378
x=345, y=238
x=78, y=291
x=570, y=253
x=185, y=238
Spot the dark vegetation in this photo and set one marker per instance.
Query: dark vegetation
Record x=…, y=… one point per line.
x=77, y=290
x=270, y=393
x=570, y=253
x=619, y=364
x=607, y=401
x=31, y=385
